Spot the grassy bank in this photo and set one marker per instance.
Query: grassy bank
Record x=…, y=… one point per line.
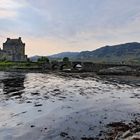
x=4, y=65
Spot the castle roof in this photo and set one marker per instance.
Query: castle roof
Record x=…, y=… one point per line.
x=14, y=41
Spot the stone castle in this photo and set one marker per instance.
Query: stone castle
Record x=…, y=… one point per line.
x=13, y=50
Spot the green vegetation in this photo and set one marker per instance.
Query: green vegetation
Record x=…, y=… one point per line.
x=43, y=60
x=66, y=60
x=6, y=65
x=67, y=63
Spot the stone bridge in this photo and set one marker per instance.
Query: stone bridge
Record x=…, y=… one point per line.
x=83, y=66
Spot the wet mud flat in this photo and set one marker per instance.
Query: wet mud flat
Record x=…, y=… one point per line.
x=37, y=106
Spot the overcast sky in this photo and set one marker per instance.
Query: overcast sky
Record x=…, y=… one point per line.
x=52, y=26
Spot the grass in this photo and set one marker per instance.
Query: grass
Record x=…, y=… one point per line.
x=15, y=65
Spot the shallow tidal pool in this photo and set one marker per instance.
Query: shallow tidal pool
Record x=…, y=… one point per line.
x=37, y=106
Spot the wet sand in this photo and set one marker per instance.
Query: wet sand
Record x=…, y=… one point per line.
x=36, y=106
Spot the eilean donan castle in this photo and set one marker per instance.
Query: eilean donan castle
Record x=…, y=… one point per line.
x=13, y=50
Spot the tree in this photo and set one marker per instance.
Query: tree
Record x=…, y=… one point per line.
x=65, y=59
x=43, y=60
x=66, y=63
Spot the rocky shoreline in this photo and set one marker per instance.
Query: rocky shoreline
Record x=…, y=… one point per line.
x=98, y=70
x=122, y=131
x=121, y=70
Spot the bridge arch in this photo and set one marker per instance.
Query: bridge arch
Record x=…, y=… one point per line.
x=77, y=65
x=55, y=66
x=63, y=66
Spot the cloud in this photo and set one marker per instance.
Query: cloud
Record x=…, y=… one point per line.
x=7, y=14
x=80, y=25
x=66, y=19
x=9, y=8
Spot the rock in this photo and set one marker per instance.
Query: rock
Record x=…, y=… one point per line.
x=28, y=102
x=84, y=138
x=135, y=138
x=35, y=93
x=63, y=134
x=32, y=126
x=127, y=134
x=37, y=105
x=135, y=130
x=119, y=126
x=120, y=70
x=56, y=90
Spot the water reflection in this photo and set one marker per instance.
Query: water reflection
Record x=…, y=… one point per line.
x=13, y=84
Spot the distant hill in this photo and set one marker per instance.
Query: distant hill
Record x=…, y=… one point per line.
x=65, y=54
x=116, y=53
x=71, y=55
x=34, y=58
x=122, y=52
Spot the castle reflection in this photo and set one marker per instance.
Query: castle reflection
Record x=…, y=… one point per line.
x=13, y=84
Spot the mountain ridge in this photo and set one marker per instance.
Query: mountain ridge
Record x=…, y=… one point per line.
x=120, y=52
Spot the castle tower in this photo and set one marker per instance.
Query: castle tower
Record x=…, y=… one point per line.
x=15, y=49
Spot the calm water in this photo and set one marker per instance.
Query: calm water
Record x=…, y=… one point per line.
x=35, y=106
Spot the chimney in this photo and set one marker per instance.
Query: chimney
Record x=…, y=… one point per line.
x=19, y=38
x=8, y=39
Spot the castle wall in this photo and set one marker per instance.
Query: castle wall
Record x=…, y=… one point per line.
x=13, y=50
x=5, y=56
